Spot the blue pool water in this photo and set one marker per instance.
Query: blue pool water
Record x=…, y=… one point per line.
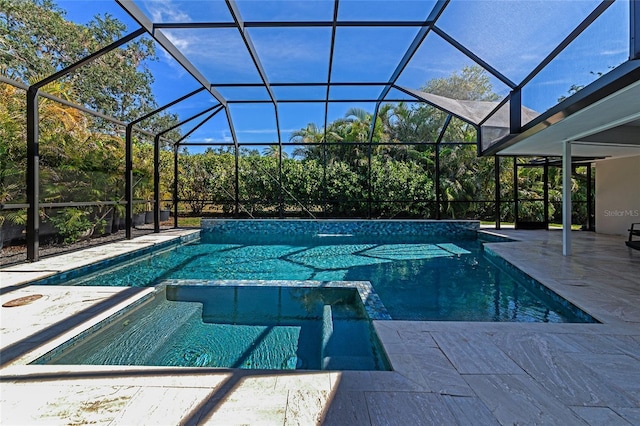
x=416, y=277
x=235, y=327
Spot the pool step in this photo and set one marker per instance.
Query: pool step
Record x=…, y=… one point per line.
x=348, y=363
x=168, y=319
x=146, y=330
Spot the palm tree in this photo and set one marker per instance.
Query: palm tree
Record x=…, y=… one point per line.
x=309, y=134
x=357, y=114
x=312, y=134
x=273, y=151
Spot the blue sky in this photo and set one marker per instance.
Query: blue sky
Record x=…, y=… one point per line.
x=512, y=36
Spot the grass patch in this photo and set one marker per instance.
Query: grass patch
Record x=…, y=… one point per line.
x=559, y=226
x=189, y=222
x=551, y=225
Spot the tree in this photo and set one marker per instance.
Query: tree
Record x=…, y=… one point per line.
x=119, y=82
x=195, y=181
x=12, y=145
x=303, y=184
x=400, y=173
x=37, y=41
x=471, y=84
x=81, y=157
x=307, y=136
x=274, y=151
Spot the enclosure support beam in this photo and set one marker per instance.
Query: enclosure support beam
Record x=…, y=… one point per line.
x=369, y=189
x=61, y=101
x=437, y=179
x=128, y=191
x=474, y=57
x=566, y=198
x=237, y=18
x=634, y=30
x=92, y=57
x=437, y=10
x=281, y=190
x=369, y=152
x=234, y=137
x=216, y=110
x=156, y=156
x=175, y=185
x=515, y=111
x=237, y=182
x=586, y=22
x=437, y=174
x=515, y=190
x=545, y=183
x=496, y=170
x=590, y=225
x=33, y=177
x=128, y=181
x=33, y=150
x=336, y=4
x=156, y=183
x=235, y=14
x=132, y=9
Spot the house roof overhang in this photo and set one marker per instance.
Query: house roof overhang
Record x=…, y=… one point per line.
x=601, y=121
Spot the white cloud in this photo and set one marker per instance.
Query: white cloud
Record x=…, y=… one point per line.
x=265, y=131
x=166, y=11
x=614, y=52
x=529, y=57
x=563, y=81
x=222, y=52
x=181, y=43
x=219, y=49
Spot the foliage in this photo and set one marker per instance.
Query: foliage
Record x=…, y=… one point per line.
x=385, y=178
x=81, y=157
x=471, y=84
x=38, y=41
x=12, y=146
x=207, y=176
x=72, y=224
x=352, y=168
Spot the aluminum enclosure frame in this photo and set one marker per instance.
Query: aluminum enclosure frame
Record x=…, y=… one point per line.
x=619, y=77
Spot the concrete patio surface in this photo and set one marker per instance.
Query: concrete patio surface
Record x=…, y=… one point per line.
x=444, y=372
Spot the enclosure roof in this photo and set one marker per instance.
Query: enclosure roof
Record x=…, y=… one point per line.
x=473, y=112
x=325, y=56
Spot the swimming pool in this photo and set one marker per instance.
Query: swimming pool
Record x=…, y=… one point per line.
x=230, y=326
x=446, y=276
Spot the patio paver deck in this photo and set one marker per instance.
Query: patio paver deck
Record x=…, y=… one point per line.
x=444, y=372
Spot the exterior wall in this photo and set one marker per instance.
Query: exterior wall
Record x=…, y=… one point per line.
x=617, y=195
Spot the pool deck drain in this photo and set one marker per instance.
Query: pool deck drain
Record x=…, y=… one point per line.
x=445, y=372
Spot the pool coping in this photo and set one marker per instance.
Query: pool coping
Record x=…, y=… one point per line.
x=89, y=259
x=146, y=245
x=600, y=278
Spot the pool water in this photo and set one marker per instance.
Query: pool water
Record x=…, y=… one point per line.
x=235, y=327
x=416, y=277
